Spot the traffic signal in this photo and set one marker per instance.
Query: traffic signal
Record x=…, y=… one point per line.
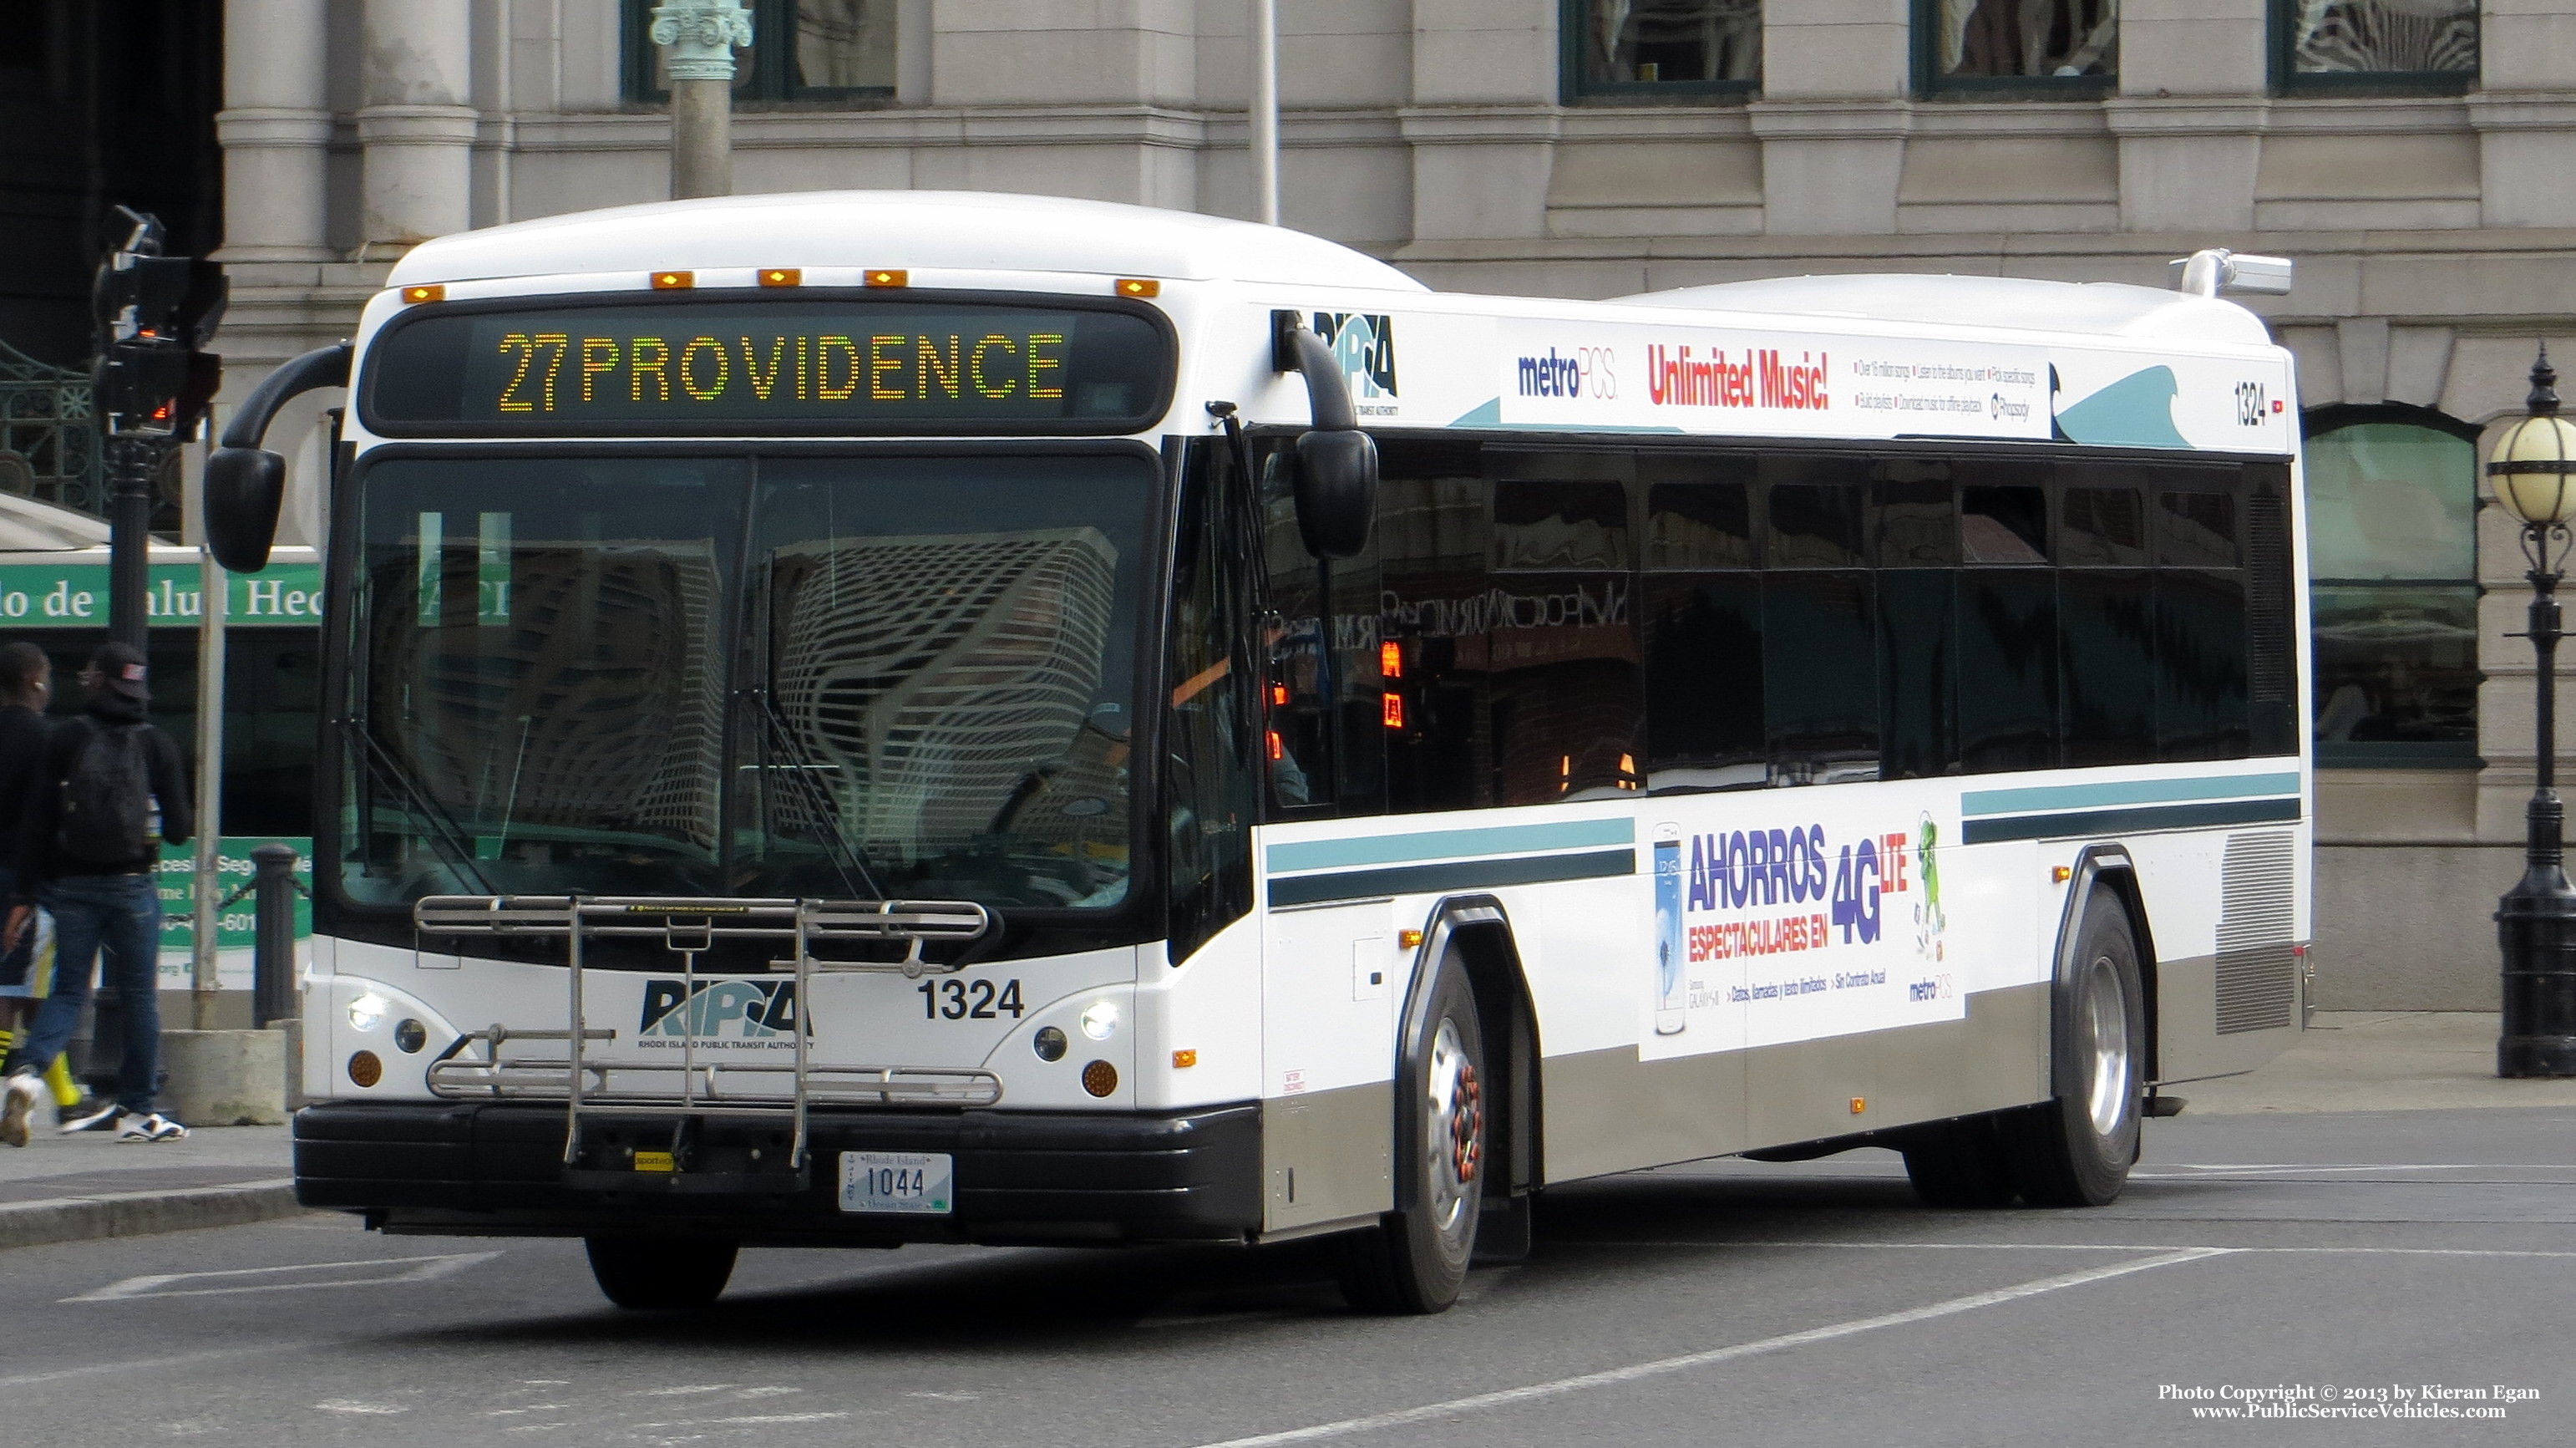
x=155, y=315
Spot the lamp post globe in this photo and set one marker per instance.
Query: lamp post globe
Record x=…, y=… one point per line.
x=2533, y=472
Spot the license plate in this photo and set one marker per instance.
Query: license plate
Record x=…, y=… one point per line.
x=913, y=1182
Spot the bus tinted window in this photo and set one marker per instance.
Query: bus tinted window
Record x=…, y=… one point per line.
x=2106, y=626
x=1814, y=506
x=1916, y=514
x=1704, y=689
x=2200, y=664
x=1545, y=525
x=2101, y=527
x=1699, y=525
x=2196, y=529
x=2008, y=670
x=1918, y=672
x=1820, y=682
x=2004, y=524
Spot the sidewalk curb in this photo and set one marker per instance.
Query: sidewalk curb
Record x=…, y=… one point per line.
x=136, y=1214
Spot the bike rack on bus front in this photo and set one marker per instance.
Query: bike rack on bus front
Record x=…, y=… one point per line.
x=687, y=927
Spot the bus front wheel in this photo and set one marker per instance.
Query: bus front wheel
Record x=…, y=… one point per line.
x=1415, y=1259
x=661, y=1273
x=2075, y=1151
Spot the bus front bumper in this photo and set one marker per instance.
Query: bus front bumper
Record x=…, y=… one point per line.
x=497, y=1169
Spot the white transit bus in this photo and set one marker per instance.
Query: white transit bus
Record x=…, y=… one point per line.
x=873, y=718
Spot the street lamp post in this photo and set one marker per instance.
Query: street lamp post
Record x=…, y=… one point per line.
x=2536, y=920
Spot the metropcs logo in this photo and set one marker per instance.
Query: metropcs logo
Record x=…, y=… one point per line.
x=1762, y=377
x=719, y=1010
x=1583, y=372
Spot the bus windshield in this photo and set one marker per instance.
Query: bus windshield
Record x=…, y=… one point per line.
x=860, y=677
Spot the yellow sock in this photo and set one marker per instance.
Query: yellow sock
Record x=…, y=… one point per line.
x=59, y=1077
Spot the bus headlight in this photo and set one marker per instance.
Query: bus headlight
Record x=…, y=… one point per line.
x=367, y=1012
x=1100, y=1020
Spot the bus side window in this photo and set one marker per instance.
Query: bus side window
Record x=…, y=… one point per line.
x=1566, y=693
x=1433, y=539
x=1295, y=631
x=1820, y=675
x=1210, y=778
x=1702, y=624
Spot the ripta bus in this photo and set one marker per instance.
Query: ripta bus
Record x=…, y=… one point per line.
x=890, y=717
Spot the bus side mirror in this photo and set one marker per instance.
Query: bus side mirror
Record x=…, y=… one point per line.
x=1336, y=490
x=1336, y=484
x=245, y=482
x=244, y=486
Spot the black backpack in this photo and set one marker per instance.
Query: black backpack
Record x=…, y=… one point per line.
x=107, y=797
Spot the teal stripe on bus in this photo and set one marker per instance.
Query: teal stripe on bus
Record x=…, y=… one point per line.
x=2123, y=792
x=1450, y=844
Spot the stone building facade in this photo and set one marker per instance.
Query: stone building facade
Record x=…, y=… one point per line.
x=2413, y=156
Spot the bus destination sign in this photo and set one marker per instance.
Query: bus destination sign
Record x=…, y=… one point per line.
x=802, y=366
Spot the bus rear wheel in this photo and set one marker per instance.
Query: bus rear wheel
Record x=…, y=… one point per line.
x=2075, y=1151
x=1415, y=1259
x=661, y=1273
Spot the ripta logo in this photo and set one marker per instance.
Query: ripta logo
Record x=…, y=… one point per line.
x=748, y=1010
x=1364, y=344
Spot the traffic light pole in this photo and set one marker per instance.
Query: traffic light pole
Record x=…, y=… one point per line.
x=131, y=462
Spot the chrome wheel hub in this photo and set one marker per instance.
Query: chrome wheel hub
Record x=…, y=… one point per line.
x=2110, y=1086
x=1454, y=1128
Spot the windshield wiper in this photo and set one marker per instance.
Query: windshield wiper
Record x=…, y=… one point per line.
x=442, y=830
x=817, y=799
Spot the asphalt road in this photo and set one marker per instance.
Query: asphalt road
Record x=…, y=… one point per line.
x=1724, y=1303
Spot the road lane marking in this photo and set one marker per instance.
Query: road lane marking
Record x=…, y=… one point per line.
x=2085, y=1247
x=1533, y=1392
x=145, y=1365
x=414, y=1269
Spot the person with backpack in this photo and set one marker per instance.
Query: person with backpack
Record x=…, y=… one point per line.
x=110, y=791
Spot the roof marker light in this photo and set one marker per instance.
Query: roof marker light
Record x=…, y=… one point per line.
x=674, y=281
x=1139, y=287
x=883, y=276
x=781, y=276
x=434, y=292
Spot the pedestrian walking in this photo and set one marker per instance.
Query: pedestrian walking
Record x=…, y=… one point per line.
x=26, y=932
x=110, y=789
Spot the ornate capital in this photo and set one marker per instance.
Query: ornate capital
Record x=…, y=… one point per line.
x=701, y=36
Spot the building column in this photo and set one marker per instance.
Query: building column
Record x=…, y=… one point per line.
x=1484, y=118
x=2194, y=96
x=1832, y=116
x=276, y=130
x=417, y=124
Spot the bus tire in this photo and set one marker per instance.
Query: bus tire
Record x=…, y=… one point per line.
x=2075, y=1151
x=1960, y=1163
x=1415, y=1259
x=662, y=1274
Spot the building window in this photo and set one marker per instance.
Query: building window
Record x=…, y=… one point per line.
x=2057, y=48
x=802, y=50
x=1661, y=51
x=2392, y=498
x=2341, y=46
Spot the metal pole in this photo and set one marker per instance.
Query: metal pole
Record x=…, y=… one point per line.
x=1265, y=110
x=699, y=38
x=2537, y=917
x=274, y=987
x=129, y=537
x=204, y=980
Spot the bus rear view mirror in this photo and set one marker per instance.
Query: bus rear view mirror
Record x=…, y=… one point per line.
x=245, y=483
x=244, y=487
x=1336, y=490
x=1336, y=462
